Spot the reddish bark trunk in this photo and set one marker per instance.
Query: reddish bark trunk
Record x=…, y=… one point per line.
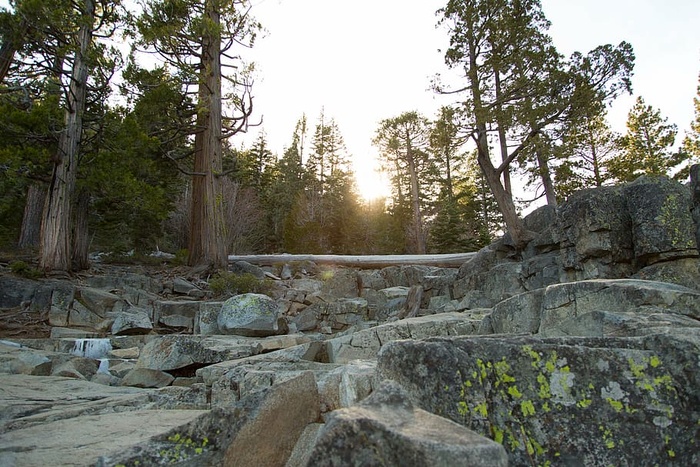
x=208, y=231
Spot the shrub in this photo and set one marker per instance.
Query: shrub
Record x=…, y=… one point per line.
x=22, y=269
x=228, y=283
x=181, y=257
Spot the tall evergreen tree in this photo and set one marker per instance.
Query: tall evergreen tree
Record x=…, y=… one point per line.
x=454, y=205
x=255, y=164
x=591, y=81
x=647, y=145
x=28, y=144
x=487, y=39
x=196, y=37
x=287, y=187
x=323, y=218
x=403, y=143
x=257, y=172
x=31, y=108
x=57, y=231
x=57, y=57
x=516, y=86
x=587, y=144
x=691, y=142
x=488, y=220
x=30, y=29
x=445, y=143
x=328, y=153
x=132, y=180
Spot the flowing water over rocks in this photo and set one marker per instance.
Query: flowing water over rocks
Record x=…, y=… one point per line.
x=581, y=349
x=91, y=348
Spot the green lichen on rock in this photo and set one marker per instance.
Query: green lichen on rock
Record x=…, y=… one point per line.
x=676, y=227
x=661, y=219
x=536, y=397
x=179, y=448
x=174, y=448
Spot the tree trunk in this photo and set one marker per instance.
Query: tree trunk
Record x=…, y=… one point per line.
x=450, y=260
x=7, y=53
x=545, y=174
x=30, y=232
x=81, y=241
x=514, y=224
x=56, y=232
x=415, y=199
x=207, y=234
x=448, y=175
x=503, y=142
x=197, y=212
x=413, y=301
x=597, y=176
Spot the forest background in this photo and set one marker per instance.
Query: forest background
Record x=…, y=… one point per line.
x=124, y=131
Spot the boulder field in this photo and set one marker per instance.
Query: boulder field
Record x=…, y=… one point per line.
x=581, y=349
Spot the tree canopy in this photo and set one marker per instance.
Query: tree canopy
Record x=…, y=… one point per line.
x=137, y=148
x=647, y=147
x=517, y=90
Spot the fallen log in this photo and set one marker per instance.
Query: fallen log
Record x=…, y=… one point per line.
x=452, y=260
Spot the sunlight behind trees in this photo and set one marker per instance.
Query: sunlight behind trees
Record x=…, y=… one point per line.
x=145, y=147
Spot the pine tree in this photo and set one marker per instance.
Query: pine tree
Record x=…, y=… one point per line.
x=487, y=220
x=57, y=231
x=403, y=142
x=454, y=225
x=28, y=144
x=286, y=188
x=487, y=40
x=255, y=165
x=591, y=82
x=517, y=86
x=324, y=216
x=55, y=57
x=445, y=144
x=587, y=144
x=691, y=142
x=647, y=145
x=131, y=180
x=195, y=37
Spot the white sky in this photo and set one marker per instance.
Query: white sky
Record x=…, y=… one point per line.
x=367, y=60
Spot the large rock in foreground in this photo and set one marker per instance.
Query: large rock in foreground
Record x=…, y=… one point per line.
x=386, y=429
x=564, y=401
x=261, y=429
x=69, y=422
x=83, y=440
x=251, y=315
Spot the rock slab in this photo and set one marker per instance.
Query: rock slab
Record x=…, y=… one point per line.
x=564, y=401
x=261, y=429
x=387, y=429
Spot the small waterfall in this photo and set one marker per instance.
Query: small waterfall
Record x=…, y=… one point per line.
x=104, y=366
x=91, y=348
x=10, y=344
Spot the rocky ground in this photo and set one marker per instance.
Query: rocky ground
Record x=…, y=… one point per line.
x=583, y=349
